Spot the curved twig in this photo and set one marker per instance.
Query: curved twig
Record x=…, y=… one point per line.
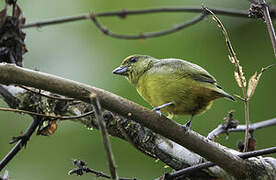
x=47, y=116
x=150, y=34
x=48, y=96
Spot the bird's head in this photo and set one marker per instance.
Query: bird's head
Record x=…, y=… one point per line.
x=134, y=66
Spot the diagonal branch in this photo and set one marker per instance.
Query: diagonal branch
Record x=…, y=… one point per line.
x=106, y=142
x=21, y=143
x=10, y=74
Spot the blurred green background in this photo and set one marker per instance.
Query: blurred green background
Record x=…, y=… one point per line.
x=78, y=51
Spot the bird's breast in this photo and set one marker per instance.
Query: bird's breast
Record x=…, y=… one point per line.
x=187, y=96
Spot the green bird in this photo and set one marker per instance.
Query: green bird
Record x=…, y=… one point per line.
x=172, y=85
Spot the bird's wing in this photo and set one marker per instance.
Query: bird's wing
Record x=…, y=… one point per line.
x=175, y=69
x=181, y=69
x=203, y=78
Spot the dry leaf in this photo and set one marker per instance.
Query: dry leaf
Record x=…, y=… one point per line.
x=49, y=130
x=238, y=79
x=252, y=84
x=232, y=59
x=241, y=75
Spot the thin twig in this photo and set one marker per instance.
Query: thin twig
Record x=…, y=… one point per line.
x=48, y=96
x=123, y=13
x=150, y=34
x=183, y=172
x=247, y=122
x=102, y=127
x=47, y=116
x=269, y=24
x=81, y=167
x=22, y=142
x=241, y=128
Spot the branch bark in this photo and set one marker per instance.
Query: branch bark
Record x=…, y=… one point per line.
x=153, y=145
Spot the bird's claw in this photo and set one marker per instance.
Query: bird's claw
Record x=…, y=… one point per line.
x=186, y=128
x=157, y=110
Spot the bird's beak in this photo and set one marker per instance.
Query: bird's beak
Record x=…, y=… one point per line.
x=120, y=70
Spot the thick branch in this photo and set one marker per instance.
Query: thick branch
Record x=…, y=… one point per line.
x=10, y=74
x=146, y=141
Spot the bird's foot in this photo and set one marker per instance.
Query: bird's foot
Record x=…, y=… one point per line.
x=186, y=128
x=157, y=110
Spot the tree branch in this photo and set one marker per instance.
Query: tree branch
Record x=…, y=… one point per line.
x=45, y=115
x=82, y=168
x=48, y=96
x=21, y=142
x=241, y=128
x=269, y=24
x=183, y=172
x=11, y=74
x=150, y=143
x=123, y=13
x=106, y=142
x=150, y=34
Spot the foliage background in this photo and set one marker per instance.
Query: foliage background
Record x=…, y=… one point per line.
x=80, y=52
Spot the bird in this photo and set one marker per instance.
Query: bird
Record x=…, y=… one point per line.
x=172, y=85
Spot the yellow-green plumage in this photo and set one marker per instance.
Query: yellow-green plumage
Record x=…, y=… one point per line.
x=187, y=86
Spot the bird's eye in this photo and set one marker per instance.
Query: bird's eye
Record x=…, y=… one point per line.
x=133, y=59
